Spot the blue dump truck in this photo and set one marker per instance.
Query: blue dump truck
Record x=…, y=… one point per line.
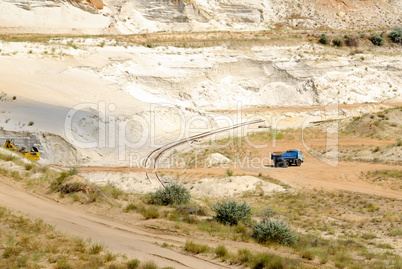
x=290, y=157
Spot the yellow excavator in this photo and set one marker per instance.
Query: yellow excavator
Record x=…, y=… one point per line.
x=33, y=155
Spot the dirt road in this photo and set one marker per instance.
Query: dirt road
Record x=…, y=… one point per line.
x=117, y=237
x=330, y=175
x=343, y=177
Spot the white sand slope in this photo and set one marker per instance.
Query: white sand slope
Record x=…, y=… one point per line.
x=94, y=102
x=233, y=186
x=49, y=16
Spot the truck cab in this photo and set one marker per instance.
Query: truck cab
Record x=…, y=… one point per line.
x=290, y=157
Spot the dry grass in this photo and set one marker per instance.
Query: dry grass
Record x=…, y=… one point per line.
x=28, y=243
x=391, y=179
x=244, y=257
x=385, y=124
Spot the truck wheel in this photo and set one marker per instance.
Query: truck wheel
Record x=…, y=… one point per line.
x=285, y=164
x=298, y=163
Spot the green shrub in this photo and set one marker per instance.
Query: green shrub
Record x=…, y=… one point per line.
x=337, y=42
x=221, y=251
x=171, y=195
x=377, y=40
x=229, y=172
x=274, y=231
x=396, y=35
x=31, y=123
x=323, y=39
x=96, y=249
x=231, y=212
x=133, y=264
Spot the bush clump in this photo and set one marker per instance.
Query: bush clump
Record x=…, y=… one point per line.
x=58, y=182
x=195, y=248
x=323, y=39
x=221, y=251
x=337, y=42
x=174, y=194
x=63, y=178
x=396, y=35
x=274, y=231
x=133, y=264
x=231, y=212
x=377, y=40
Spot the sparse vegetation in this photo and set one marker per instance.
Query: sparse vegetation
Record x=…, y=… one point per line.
x=3, y=96
x=229, y=172
x=71, y=44
x=245, y=257
x=57, y=184
x=150, y=212
x=396, y=232
x=112, y=190
x=130, y=207
x=102, y=44
x=95, y=249
x=34, y=244
x=194, y=248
